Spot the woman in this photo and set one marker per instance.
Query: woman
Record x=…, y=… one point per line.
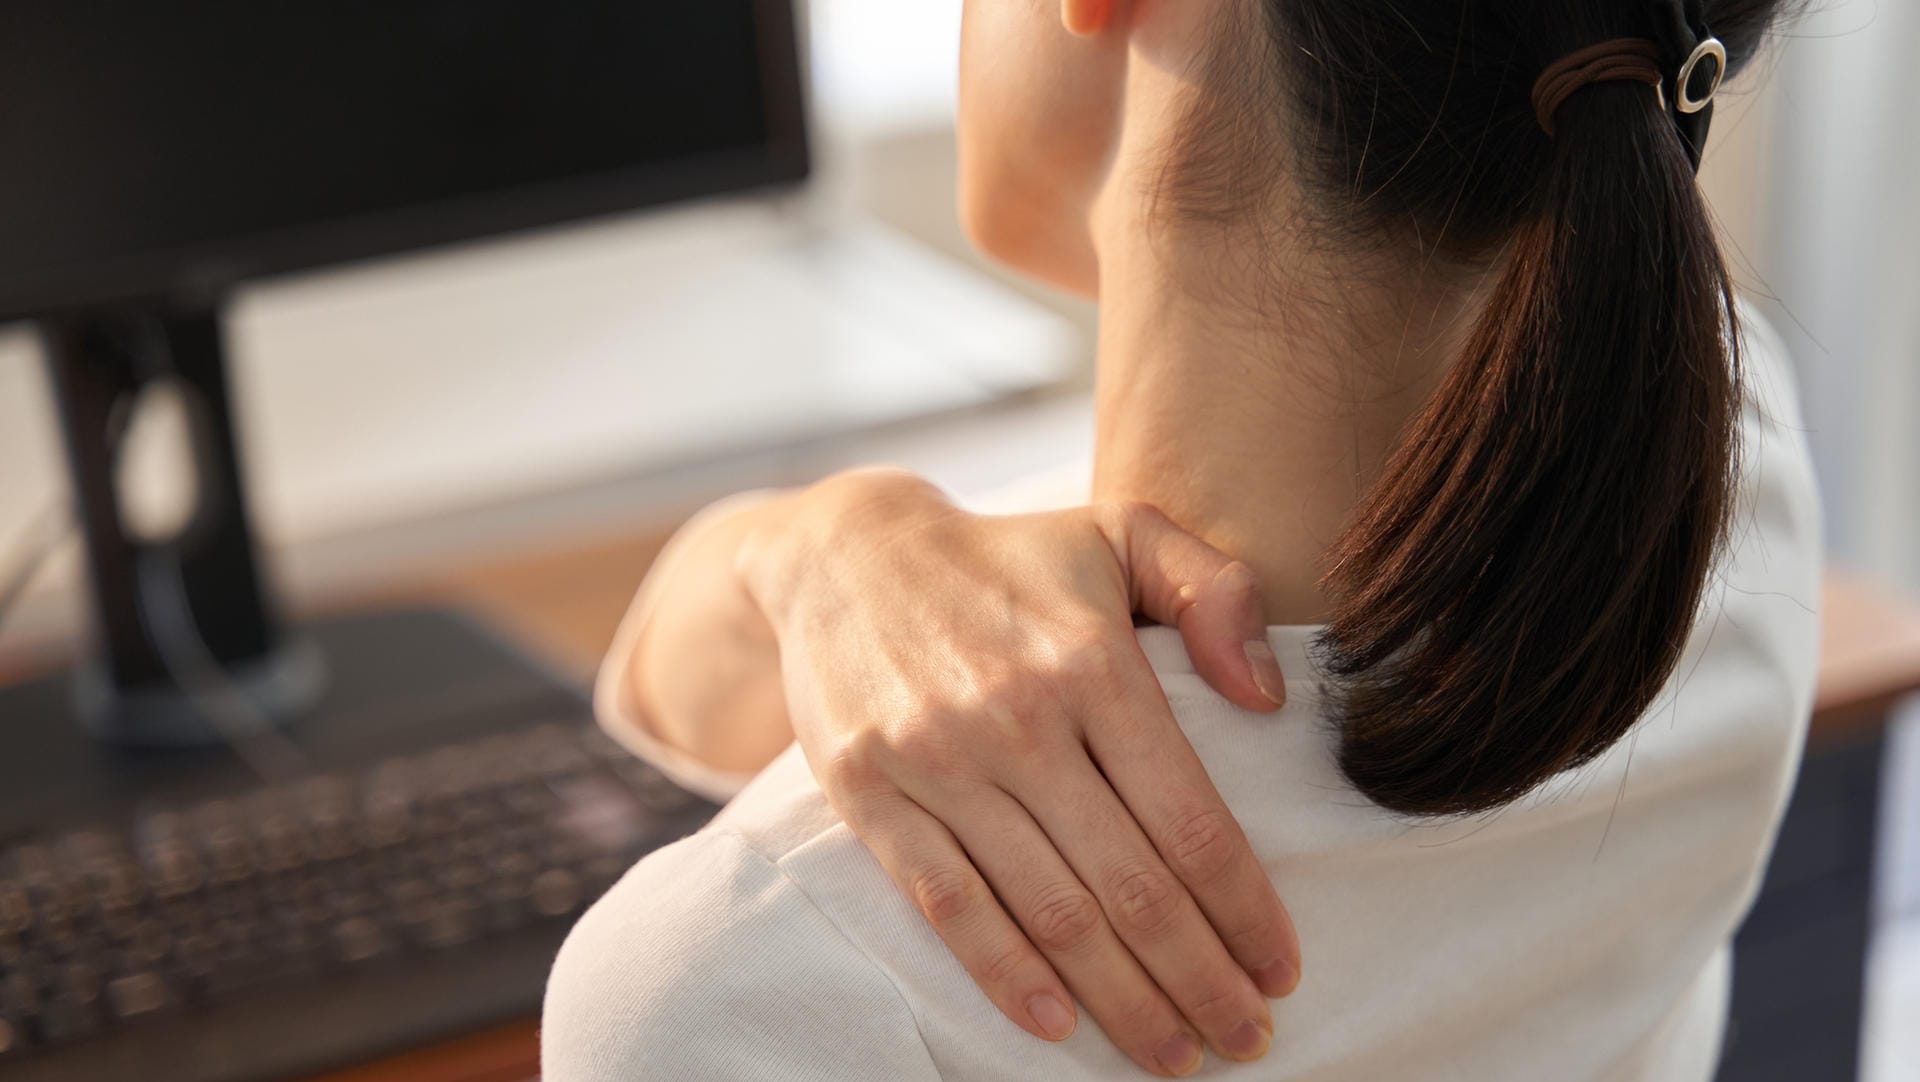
x=1414, y=328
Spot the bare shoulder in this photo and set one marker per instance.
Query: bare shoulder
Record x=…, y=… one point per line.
x=704, y=961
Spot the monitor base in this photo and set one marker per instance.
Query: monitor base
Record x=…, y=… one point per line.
x=236, y=702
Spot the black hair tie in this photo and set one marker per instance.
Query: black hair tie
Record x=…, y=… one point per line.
x=1698, y=62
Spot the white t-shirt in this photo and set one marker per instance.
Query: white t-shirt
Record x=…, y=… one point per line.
x=1579, y=935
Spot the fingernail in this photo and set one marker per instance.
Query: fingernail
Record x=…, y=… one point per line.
x=1276, y=978
x=1053, y=1017
x=1249, y=1040
x=1266, y=671
x=1179, y=1054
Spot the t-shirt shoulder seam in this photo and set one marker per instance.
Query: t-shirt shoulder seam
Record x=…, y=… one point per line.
x=919, y=1028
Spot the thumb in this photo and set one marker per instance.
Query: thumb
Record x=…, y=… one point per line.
x=1181, y=581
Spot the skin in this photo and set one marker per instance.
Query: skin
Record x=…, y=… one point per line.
x=1257, y=358
x=968, y=690
x=959, y=683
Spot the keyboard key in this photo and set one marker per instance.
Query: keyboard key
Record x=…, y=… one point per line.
x=237, y=964
x=288, y=950
x=556, y=892
x=136, y=994
x=228, y=853
x=355, y=902
x=150, y=943
x=409, y=891
x=281, y=845
x=448, y=922
x=194, y=958
x=72, y=1010
x=459, y=876
x=514, y=864
x=119, y=923
x=55, y=930
x=173, y=870
x=656, y=792
x=507, y=904
x=20, y=999
x=357, y=939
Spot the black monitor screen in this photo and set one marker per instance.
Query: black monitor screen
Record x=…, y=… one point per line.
x=148, y=144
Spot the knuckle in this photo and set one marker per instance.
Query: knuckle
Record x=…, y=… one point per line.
x=1064, y=920
x=1018, y=715
x=1006, y=704
x=1088, y=656
x=1018, y=692
x=1201, y=844
x=1021, y=744
x=1253, y=938
x=1144, y=1017
x=1001, y=963
x=1101, y=685
x=853, y=766
x=927, y=744
x=1218, y=1001
x=945, y=894
x=1145, y=899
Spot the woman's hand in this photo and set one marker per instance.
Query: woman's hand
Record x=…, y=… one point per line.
x=970, y=694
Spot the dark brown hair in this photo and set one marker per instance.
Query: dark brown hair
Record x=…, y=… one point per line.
x=1518, y=585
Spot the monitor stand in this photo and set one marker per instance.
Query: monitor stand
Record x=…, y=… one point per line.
x=167, y=609
x=190, y=662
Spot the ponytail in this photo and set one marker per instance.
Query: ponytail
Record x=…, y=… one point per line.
x=1519, y=584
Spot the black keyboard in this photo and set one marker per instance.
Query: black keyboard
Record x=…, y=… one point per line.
x=299, y=910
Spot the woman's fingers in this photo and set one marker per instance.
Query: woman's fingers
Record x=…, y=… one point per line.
x=1063, y=918
x=1145, y=759
x=929, y=866
x=1181, y=581
x=1150, y=909
x=1226, y=636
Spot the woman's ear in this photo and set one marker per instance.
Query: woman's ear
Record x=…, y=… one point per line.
x=1086, y=17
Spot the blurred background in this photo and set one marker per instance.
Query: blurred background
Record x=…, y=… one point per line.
x=437, y=423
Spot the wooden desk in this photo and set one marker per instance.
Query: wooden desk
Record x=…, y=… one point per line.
x=1869, y=657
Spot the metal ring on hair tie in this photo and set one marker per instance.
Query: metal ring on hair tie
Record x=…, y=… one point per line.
x=1680, y=26
x=1683, y=98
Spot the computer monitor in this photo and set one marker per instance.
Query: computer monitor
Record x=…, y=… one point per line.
x=437, y=809
x=191, y=145
x=161, y=154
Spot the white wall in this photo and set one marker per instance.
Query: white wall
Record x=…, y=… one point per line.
x=1817, y=189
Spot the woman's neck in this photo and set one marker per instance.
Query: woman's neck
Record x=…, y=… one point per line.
x=1256, y=415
